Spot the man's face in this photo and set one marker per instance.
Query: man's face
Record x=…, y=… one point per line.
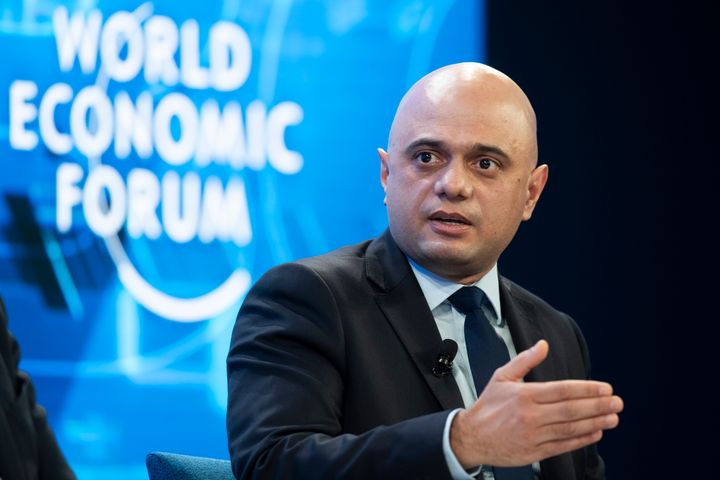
x=459, y=177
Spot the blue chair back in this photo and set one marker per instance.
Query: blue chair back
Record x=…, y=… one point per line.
x=172, y=466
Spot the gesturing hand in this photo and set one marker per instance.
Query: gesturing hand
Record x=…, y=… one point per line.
x=514, y=423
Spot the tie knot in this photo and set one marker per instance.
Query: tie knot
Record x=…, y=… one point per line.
x=467, y=299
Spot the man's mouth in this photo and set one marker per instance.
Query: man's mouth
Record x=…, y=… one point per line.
x=450, y=218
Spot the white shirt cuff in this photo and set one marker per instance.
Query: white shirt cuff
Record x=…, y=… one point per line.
x=456, y=470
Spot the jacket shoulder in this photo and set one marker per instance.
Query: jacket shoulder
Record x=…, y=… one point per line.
x=539, y=308
x=521, y=294
x=337, y=260
x=340, y=265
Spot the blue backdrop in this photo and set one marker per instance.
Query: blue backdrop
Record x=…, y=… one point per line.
x=156, y=158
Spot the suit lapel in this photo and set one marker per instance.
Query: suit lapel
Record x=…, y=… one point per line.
x=401, y=300
x=526, y=330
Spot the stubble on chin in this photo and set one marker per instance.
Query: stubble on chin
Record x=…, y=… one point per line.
x=449, y=261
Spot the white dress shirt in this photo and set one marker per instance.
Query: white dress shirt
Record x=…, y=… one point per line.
x=451, y=324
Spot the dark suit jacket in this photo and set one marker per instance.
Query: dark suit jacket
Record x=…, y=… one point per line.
x=28, y=449
x=329, y=371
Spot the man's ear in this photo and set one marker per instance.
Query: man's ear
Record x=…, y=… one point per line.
x=384, y=168
x=536, y=184
x=384, y=171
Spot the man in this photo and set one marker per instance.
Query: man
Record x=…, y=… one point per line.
x=330, y=367
x=28, y=450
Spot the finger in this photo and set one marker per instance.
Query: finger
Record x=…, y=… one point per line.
x=557, y=447
x=560, y=390
x=577, y=428
x=518, y=367
x=579, y=409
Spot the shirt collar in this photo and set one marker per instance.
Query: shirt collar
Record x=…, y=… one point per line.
x=437, y=289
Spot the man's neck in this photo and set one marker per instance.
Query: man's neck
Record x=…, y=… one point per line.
x=462, y=279
x=436, y=288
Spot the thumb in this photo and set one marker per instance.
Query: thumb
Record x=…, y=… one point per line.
x=518, y=367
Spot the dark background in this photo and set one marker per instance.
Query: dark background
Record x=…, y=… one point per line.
x=622, y=237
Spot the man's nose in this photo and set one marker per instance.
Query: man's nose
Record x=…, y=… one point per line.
x=453, y=181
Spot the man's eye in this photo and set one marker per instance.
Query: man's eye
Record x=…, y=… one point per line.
x=425, y=157
x=486, y=164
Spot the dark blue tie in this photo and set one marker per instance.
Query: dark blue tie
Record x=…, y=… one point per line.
x=486, y=352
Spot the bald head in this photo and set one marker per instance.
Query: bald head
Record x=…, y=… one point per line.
x=467, y=88
x=461, y=173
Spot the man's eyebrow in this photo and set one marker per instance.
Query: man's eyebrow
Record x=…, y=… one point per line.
x=492, y=149
x=442, y=146
x=425, y=143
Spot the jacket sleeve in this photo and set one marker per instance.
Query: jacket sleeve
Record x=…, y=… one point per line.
x=29, y=448
x=286, y=375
